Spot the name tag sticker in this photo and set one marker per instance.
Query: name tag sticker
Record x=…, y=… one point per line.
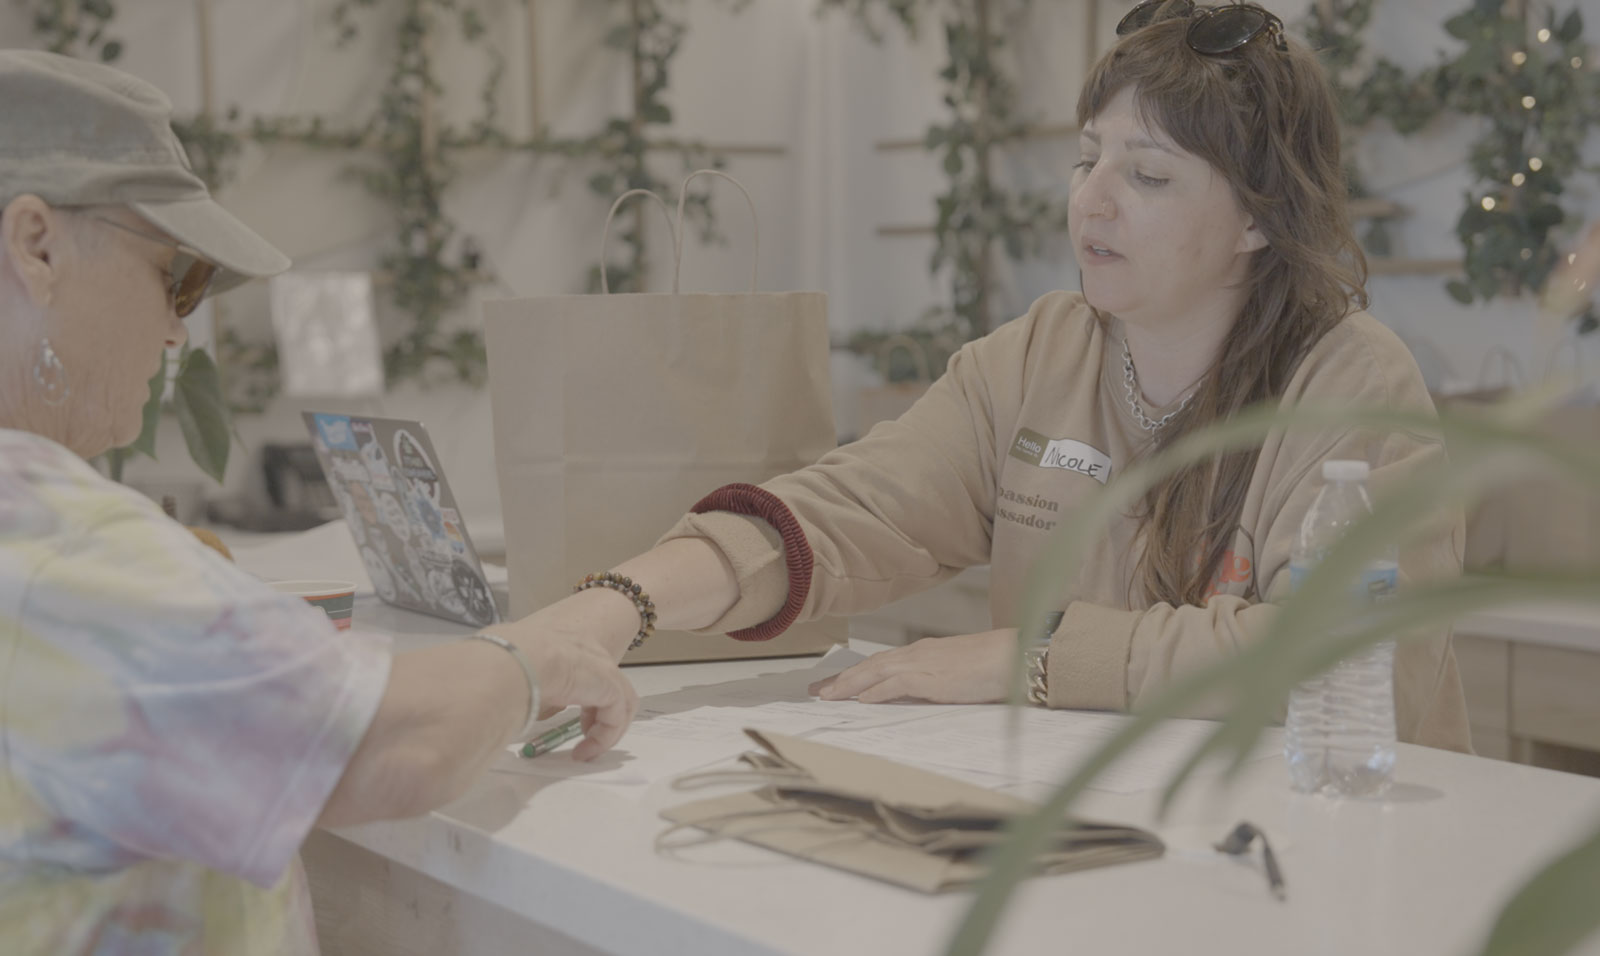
x=1063, y=453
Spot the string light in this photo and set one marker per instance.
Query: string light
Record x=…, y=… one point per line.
x=1527, y=254
x=1535, y=164
x=1519, y=58
x=1529, y=102
x=1577, y=63
x=1488, y=203
x=1518, y=179
x=1544, y=35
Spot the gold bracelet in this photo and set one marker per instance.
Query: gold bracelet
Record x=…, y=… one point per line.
x=628, y=589
x=1039, y=677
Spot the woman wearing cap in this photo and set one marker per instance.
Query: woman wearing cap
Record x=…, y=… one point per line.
x=171, y=727
x=1218, y=271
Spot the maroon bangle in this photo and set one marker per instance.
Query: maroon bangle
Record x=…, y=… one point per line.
x=755, y=502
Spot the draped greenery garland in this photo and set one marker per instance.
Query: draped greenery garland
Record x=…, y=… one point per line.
x=1531, y=83
x=1531, y=87
x=407, y=161
x=978, y=216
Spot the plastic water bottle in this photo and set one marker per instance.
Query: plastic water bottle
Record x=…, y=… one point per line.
x=1339, y=738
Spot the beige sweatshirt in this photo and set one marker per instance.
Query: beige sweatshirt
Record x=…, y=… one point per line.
x=1023, y=425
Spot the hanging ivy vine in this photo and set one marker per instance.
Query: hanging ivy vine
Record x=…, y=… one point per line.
x=430, y=281
x=865, y=12
x=247, y=369
x=977, y=217
x=212, y=145
x=977, y=213
x=435, y=264
x=1334, y=29
x=75, y=27
x=650, y=39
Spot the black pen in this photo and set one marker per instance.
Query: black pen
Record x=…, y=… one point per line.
x=1238, y=841
x=1274, y=875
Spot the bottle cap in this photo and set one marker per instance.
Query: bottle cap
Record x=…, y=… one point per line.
x=1344, y=469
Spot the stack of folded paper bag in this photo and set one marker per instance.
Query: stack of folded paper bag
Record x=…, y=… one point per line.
x=886, y=820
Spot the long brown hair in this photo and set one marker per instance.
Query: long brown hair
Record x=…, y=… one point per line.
x=1265, y=119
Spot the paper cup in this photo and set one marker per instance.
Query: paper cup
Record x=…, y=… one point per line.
x=336, y=598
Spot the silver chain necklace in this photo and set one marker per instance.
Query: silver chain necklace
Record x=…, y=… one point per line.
x=1130, y=381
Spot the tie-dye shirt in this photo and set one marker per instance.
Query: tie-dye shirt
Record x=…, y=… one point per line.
x=169, y=726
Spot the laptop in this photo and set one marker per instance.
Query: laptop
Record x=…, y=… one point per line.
x=385, y=475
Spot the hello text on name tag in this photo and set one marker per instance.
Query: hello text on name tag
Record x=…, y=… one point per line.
x=1063, y=453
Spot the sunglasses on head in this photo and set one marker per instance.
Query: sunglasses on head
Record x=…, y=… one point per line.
x=191, y=274
x=1213, y=30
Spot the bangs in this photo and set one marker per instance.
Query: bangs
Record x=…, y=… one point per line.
x=1194, y=99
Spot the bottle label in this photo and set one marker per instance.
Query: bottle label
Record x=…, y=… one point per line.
x=1378, y=580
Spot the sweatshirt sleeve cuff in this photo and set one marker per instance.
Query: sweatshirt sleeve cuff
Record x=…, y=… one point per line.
x=1089, y=658
x=769, y=553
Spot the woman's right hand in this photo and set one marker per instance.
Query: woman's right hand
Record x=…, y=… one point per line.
x=583, y=674
x=428, y=741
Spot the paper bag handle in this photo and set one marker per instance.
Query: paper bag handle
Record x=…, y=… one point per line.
x=675, y=229
x=1569, y=346
x=917, y=351
x=1577, y=391
x=605, y=234
x=755, y=219
x=666, y=846
x=1510, y=369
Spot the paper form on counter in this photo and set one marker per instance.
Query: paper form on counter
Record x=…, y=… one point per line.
x=972, y=743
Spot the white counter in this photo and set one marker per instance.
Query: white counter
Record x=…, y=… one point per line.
x=1421, y=873
x=1571, y=626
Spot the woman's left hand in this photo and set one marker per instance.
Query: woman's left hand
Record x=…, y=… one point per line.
x=971, y=669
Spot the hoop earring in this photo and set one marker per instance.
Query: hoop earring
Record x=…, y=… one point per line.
x=51, y=376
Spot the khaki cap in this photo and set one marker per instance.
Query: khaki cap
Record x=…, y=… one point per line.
x=76, y=133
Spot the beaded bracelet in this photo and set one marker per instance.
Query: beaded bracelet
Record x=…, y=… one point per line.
x=625, y=586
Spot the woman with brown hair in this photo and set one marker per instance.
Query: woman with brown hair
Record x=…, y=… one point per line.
x=1219, y=271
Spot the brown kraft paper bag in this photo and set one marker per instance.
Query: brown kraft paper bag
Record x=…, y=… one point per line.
x=614, y=414
x=895, y=823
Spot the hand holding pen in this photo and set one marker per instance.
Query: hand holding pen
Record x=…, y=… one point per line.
x=553, y=738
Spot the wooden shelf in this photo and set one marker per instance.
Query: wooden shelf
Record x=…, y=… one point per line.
x=1047, y=131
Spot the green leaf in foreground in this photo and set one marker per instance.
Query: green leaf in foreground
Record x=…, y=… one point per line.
x=197, y=400
x=146, y=442
x=1555, y=911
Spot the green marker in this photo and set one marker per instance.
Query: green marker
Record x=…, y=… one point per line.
x=553, y=738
